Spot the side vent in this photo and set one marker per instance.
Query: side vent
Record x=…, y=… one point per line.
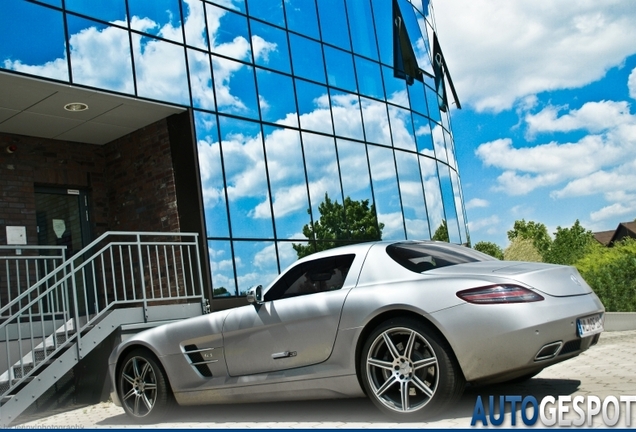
x=200, y=358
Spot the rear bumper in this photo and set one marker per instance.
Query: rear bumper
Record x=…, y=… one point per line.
x=500, y=342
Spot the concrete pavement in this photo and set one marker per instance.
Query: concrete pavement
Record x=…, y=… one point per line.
x=607, y=369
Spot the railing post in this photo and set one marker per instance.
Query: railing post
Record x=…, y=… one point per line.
x=141, y=276
x=76, y=320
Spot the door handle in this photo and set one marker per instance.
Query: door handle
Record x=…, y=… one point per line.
x=284, y=354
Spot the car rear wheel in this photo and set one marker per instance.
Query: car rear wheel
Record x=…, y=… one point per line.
x=143, y=388
x=408, y=371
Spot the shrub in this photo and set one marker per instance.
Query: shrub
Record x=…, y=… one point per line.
x=490, y=248
x=522, y=249
x=611, y=272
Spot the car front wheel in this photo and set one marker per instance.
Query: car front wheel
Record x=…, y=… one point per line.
x=143, y=389
x=408, y=371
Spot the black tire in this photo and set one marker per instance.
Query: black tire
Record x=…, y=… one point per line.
x=142, y=387
x=408, y=371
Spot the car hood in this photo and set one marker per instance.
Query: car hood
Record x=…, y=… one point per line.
x=551, y=279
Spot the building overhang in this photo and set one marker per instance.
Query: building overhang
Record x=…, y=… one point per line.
x=34, y=107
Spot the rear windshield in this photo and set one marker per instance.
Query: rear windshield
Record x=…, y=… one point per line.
x=420, y=257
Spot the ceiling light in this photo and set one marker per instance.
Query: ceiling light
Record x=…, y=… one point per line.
x=76, y=106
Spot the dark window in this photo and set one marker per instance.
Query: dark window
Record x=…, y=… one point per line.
x=420, y=257
x=324, y=274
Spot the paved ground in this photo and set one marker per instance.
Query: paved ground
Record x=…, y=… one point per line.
x=608, y=369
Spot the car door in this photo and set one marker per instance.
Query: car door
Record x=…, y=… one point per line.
x=297, y=323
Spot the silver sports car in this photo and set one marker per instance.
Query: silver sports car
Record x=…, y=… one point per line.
x=406, y=323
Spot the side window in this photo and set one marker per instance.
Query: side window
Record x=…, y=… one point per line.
x=324, y=274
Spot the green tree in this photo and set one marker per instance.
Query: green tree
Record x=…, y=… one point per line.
x=441, y=233
x=537, y=232
x=611, y=272
x=353, y=222
x=522, y=249
x=490, y=248
x=569, y=245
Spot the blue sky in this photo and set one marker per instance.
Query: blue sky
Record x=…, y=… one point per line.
x=548, y=126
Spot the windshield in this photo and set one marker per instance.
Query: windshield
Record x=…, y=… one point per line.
x=422, y=256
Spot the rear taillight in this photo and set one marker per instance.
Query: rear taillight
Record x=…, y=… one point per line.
x=498, y=294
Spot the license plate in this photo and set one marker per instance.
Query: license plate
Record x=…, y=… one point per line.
x=589, y=325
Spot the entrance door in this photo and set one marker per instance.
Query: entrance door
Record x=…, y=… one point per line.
x=62, y=220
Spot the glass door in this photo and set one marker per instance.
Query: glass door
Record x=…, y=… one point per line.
x=62, y=220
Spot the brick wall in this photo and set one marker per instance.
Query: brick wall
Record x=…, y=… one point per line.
x=141, y=192
x=130, y=181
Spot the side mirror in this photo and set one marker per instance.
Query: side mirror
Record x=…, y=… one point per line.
x=255, y=295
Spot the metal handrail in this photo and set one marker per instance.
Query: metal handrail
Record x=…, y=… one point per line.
x=105, y=274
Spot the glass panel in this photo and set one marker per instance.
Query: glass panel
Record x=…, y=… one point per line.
x=417, y=98
x=57, y=3
x=286, y=253
x=19, y=36
x=356, y=182
x=402, y=128
x=313, y=107
x=113, y=11
x=228, y=33
x=432, y=192
x=333, y=23
x=276, y=98
x=235, y=87
x=195, y=28
x=237, y=5
x=222, y=269
x=423, y=135
x=271, y=44
x=395, y=88
x=438, y=142
x=417, y=37
x=423, y=53
x=459, y=206
x=450, y=149
x=301, y=17
x=256, y=264
x=433, y=108
x=412, y=193
x=322, y=171
x=361, y=26
x=376, y=122
x=307, y=58
x=382, y=14
x=369, y=78
x=159, y=18
x=449, y=203
x=340, y=69
x=385, y=190
x=250, y=210
x=201, y=80
x=211, y=171
x=287, y=179
x=100, y=55
x=155, y=79
x=269, y=11
x=347, y=119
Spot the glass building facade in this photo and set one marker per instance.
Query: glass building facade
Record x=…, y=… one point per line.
x=291, y=101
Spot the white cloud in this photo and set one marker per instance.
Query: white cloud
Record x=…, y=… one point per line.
x=492, y=224
x=500, y=52
x=616, y=209
x=476, y=203
x=528, y=168
x=592, y=117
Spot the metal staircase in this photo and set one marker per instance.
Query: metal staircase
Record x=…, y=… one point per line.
x=120, y=279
